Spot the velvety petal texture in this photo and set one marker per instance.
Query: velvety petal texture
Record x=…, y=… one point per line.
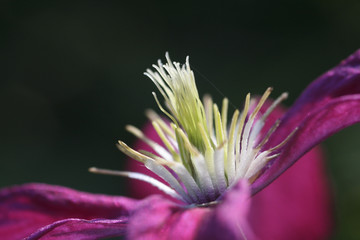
x=297, y=205
x=26, y=208
x=81, y=229
x=229, y=220
x=326, y=106
x=32, y=210
x=159, y=218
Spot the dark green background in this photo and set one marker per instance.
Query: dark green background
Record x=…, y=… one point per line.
x=71, y=78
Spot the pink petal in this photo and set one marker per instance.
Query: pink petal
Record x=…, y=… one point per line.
x=297, y=205
x=24, y=209
x=229, y=219
x=326, y=106
x=159, y=218
x=336, y=115
x=342, y=80
x=81, y=229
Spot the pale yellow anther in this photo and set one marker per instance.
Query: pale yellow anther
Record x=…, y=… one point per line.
x=131, y=152
x=224, y=113
x=241, y=124
x=165, y=141
x=207, y=140
x=208, y=104
x=158, y=159
x=284, y=141
x=261, y=102
x=266, y=138
x=153, y=116
x=219, y=131
x=162, y=109
x=229, y=161
x=232, y=127
x=281, y=98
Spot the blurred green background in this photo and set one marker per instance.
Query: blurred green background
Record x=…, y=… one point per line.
x=72, y=78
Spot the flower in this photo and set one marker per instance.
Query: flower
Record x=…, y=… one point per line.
x=215, y=195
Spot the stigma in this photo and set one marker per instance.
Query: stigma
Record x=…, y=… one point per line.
x=203, y=153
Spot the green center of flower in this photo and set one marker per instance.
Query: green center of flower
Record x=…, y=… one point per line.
x=201, y=155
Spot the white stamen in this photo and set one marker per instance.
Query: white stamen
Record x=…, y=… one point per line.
x=202, y=157
x=142, y=177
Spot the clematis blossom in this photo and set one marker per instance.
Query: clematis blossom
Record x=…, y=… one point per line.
x=215, y=171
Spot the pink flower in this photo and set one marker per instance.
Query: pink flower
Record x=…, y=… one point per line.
x=296, y=205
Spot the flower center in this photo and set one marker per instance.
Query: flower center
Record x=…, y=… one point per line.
x=203, y=155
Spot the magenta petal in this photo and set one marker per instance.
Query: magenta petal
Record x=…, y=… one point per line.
x=297, y=205
x=326, y=106
x=331, y=118
x=340, y=81
x=229, y=220
x=81, y=229
x=157, y=218
x=26, y=208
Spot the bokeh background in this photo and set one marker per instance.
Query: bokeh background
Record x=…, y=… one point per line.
x=72, y=78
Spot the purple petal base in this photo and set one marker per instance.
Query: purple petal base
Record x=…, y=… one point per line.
x=229, y=220
x=26, y=208
x=157, y=218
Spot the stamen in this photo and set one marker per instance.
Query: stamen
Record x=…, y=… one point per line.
x=284, y=141
x=181, y=172
x=256, y=164
x=281, y=98
x=268, y=134
x=131, y=153
x=218, y=126
x=165, y=141
x=209, y=156
x=202, y=158
x=230, y=161
x=185, y=155
x=189, y=182
x=241, y=124
x=164, y=126
x=208, y=104
x=207, y=141
x=224, y=112
x=261, y=102
x=145, y=178
x=157, y=148
x=203, y=177
x=246, y=154
x=219, y=170
x=163, y=110
x=192, y=150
